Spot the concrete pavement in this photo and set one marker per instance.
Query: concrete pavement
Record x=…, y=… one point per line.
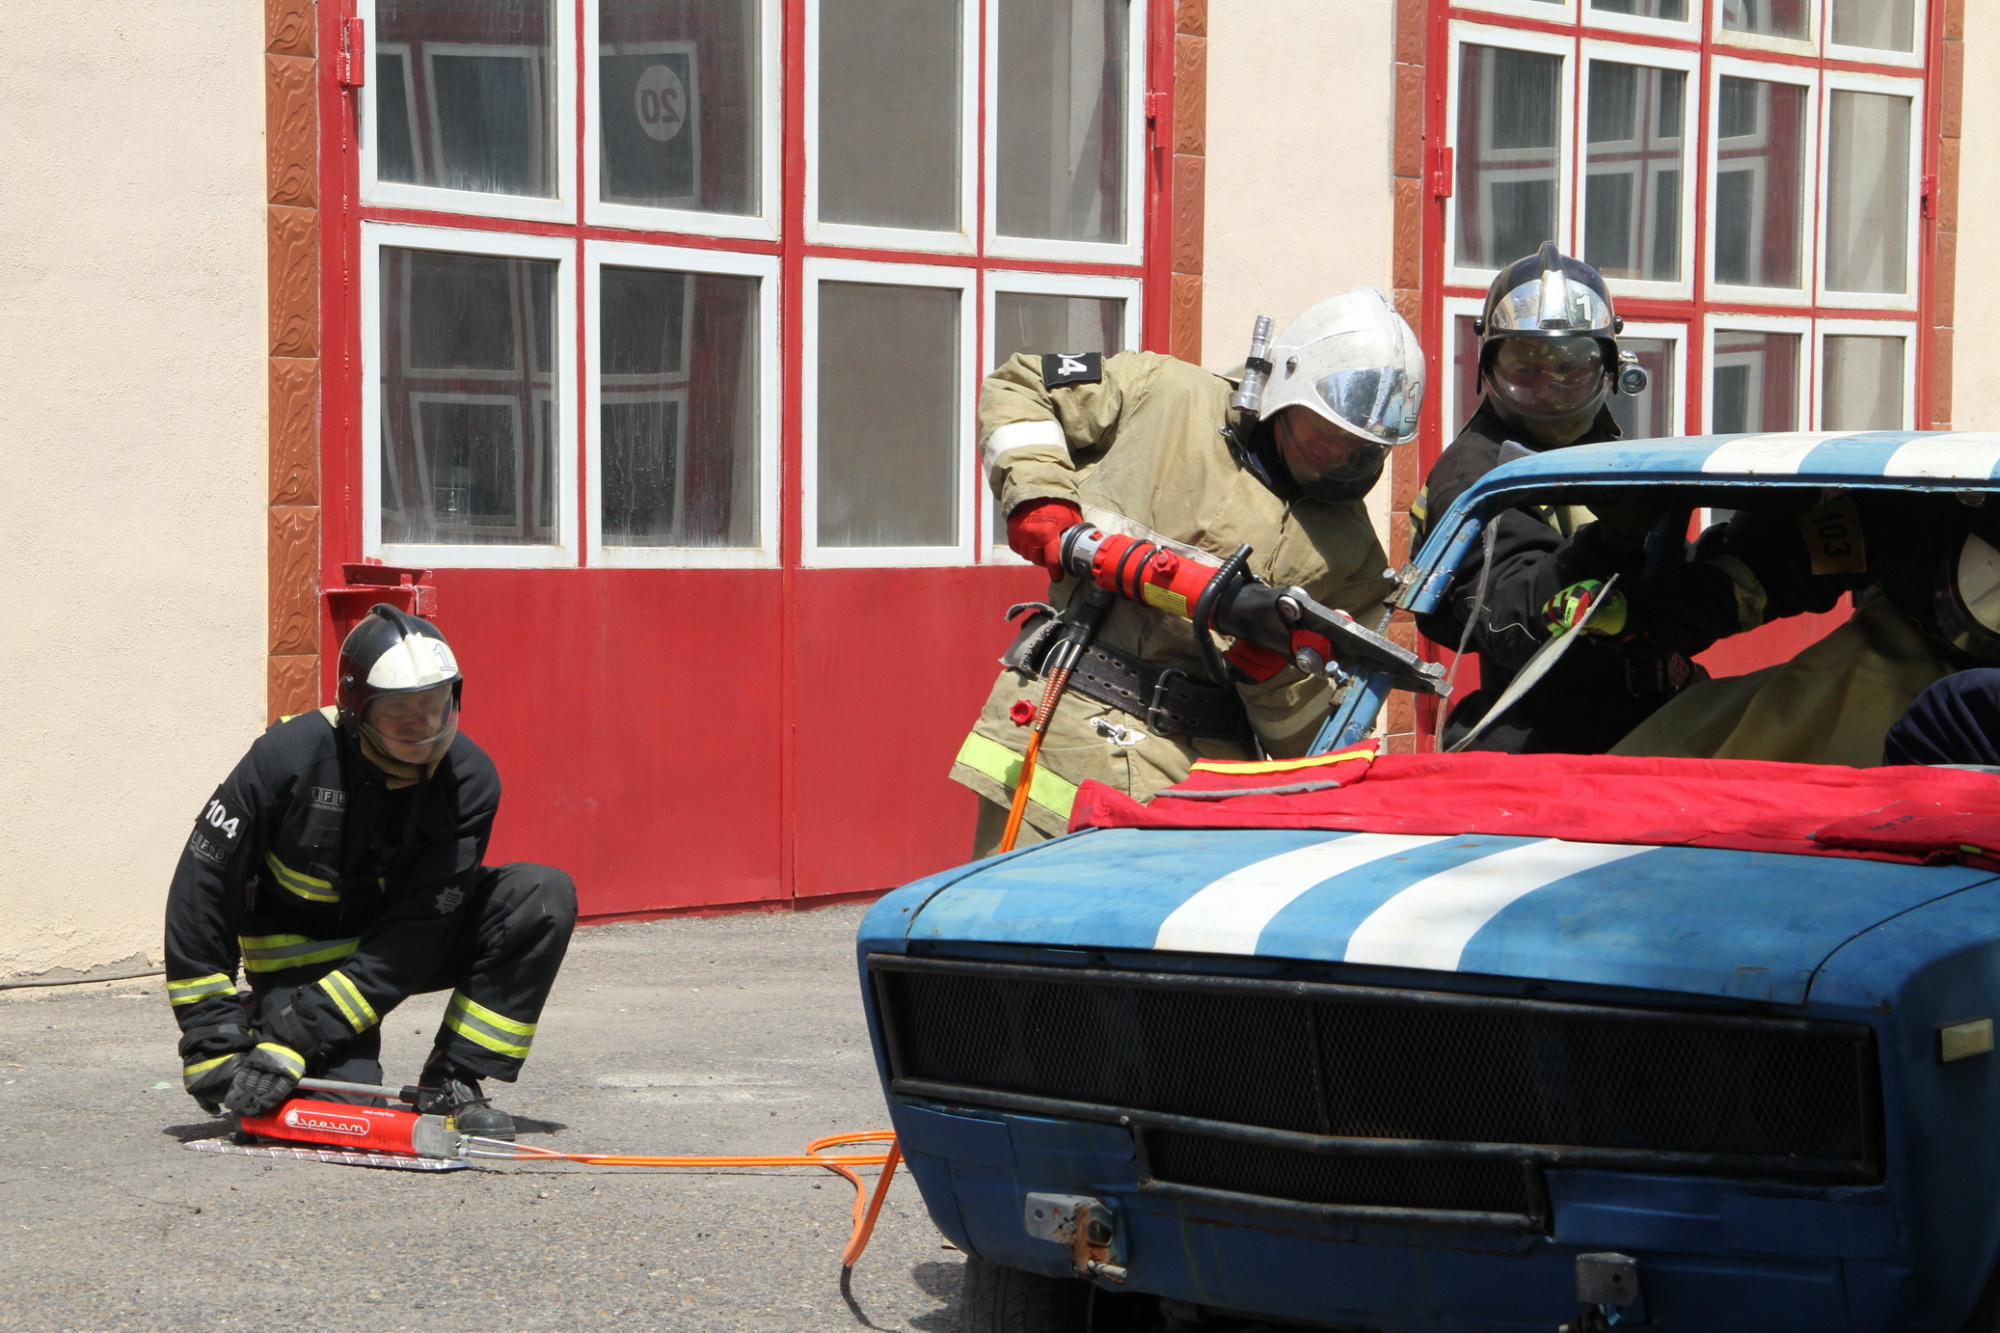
x=737, y=1034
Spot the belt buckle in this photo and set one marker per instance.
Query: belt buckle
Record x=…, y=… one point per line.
x=1156, y=706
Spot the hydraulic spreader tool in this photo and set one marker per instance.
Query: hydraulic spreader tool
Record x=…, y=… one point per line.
x=1229, y=599
x=363, y=1135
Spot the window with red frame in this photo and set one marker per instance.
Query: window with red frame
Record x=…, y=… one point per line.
x=597, y=236
x=1745, y=173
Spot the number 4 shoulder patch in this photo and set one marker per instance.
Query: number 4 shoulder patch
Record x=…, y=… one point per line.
x=1060, y=368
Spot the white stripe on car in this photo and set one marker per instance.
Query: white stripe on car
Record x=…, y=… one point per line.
x=1429, y=924
x=1229, y=914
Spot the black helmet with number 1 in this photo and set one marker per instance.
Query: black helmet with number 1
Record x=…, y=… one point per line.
x=399, y=686
x=1548, y=340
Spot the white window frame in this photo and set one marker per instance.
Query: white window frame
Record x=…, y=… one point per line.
x=1562, y=12
x=628, y=254
x=860, y=235
x=433, y=555
x=1810, y=165
x=1688, y=64
x=1456, y=414
x=993, y=545
x=1604, y=20
x=1869, y=328
x=763, y=224
x=1677, y=334
x=1874, y=55
x=1089, y=252
x=1913, y=89
x=952, y=277
x=1472, y=34
x=1808, y=384
x=397, y=194
x=1752, y=41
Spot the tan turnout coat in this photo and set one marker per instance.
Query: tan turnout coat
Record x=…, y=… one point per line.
x=1142, y=452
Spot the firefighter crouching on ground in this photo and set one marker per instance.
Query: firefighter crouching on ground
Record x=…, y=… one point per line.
x=1143, y=445
x=340, y=862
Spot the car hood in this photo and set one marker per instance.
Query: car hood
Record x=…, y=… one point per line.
x=1748, y=925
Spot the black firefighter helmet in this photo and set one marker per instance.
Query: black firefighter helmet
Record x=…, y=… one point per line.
x=1560, y=311
x=392, y=653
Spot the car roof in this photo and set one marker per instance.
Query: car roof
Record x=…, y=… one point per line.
x=1953, y=460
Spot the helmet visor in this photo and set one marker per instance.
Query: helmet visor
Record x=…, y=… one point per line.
x=1378, y=402
x=1548, y=377
x=413, y=728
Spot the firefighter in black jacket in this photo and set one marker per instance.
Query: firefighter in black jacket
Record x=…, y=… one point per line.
x=1548, y=361
x=340, y=864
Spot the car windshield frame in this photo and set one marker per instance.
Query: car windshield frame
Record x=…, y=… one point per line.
x=1946, y=462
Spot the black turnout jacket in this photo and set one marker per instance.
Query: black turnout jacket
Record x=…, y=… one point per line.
x=309, y=868
x=1593, y=696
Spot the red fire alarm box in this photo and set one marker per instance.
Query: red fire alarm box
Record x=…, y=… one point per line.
x=370, y=582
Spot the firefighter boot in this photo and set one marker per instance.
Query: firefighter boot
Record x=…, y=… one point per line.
x=448, y=1092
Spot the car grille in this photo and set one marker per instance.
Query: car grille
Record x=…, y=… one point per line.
x=1370, y=1098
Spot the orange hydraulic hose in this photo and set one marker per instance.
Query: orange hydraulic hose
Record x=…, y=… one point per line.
x=1051, y=693
x=866, y=1209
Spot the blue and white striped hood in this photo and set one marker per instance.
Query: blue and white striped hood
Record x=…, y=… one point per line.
x=1752, y=925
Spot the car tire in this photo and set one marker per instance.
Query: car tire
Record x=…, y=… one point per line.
x=998, y=1299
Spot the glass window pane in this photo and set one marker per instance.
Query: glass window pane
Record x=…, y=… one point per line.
x=1037, y=322
x=1673, y=10
x=1760, y=170
x=679, y=104
x=1768, y=18
x=1633, y=171
x=468, y=399
x=1650, y=414
x=890, y=158
x=678, y=408
x=1756, y=382
x=1508, y=143
x=888, y=478
x=1862, y=383
x=1868, y=192
x=464, y=95
x=1885, y=25
x=1061, y=142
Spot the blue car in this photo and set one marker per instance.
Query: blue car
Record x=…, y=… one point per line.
x=1178, y=1079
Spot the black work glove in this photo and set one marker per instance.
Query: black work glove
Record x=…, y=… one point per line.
x=208, y=1081
x=264, y=1079
x=210, y=1057
x=296, y=1017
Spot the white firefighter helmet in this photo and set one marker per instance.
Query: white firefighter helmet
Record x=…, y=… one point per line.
x=1353, y=361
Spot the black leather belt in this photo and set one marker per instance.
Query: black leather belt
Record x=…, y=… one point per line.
x=1172, y=702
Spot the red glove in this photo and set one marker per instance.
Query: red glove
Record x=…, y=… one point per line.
x=1260, y=663
x=1034, y=528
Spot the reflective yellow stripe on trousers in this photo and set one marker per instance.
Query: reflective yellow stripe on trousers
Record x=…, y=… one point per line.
x=996, y=761
x=475, y=1022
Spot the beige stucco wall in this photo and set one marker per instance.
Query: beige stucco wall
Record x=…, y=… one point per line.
x=133, y=447
x=1976, y=341
x=1300, y=101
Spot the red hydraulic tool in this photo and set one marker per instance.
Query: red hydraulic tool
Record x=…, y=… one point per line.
x=1228, y=599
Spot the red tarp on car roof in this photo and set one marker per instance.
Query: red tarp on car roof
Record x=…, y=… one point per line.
x=1906, y=814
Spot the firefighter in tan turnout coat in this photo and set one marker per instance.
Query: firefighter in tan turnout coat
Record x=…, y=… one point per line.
x=1146, y=446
